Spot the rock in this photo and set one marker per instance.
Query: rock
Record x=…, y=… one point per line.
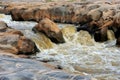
x=41, y=13
x=3, y=26
x=15, y=32
x=62, y=14
x=27, y=15
x=94, y=15
x=101, y=36
x=9, y=39
x=13, y=41
x=23, y=69
x=25, y=46
x=68, y=13
x=8, y=49
x=50, y=29
x=17, y=14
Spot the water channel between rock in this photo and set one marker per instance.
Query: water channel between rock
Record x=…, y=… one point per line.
x=80, y=53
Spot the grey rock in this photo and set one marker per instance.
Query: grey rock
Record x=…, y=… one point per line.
x=28, y=69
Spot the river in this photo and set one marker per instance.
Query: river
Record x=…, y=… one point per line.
x=80, y=53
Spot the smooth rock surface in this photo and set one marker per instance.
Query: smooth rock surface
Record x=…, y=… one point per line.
x=26, y=69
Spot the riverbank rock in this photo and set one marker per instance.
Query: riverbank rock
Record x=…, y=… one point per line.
x=56, y=11
x=23, y=69
x=50, y=29
x=13, y=41
x=89, y=15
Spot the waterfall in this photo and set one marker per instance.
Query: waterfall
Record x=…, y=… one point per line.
x=81, y=37
x=40, y=40
x=110, y=35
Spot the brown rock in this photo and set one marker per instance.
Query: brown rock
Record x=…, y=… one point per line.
x=13, y=41
x=3, y=26
x=8, y=48
x=25, y=46
x=40, y=14
x=27, y=15
x=50, y=29
x=17, y=14
x=10, y=39
x=13, y=31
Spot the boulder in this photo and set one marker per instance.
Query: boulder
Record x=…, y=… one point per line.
x=94, y=15
x=50, y=29
x=27, y=15
x=17, y=14
x=41, y=13
x=13, y=41
x=25, y=46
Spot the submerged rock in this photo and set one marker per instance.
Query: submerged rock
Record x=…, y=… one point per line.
x=50, y=29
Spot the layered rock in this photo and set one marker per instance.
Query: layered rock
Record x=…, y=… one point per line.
x=13, y=41
x=50, y=29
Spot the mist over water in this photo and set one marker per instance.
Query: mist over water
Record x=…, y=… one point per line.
x=80, y=53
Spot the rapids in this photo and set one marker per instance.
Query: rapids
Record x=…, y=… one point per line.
x=80, y=53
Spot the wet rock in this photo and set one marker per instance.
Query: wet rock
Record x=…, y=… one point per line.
x=25, y=46
x=8, y=48
x=15, y=32
x=81, y=78
x=68, y=13
x=3, y=26
x=64, y=13
x=9, y=39
x=94, y=15
x=23, y=69
x=17, y=14
x=101, y=36
x=13, y=41
x=41, y=13
x=50, y=29
x=118, y=42
x=113, y=24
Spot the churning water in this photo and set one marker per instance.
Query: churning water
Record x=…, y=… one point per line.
x=80, y=53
